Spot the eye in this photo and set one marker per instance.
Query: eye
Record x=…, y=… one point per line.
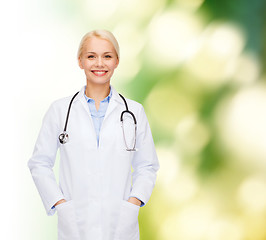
x=90, y=56
x=108, y=56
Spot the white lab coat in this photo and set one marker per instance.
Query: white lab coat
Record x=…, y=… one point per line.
x=95, y=180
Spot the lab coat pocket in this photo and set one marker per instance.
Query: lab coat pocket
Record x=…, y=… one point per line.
x=67, y=225
x=128, y=226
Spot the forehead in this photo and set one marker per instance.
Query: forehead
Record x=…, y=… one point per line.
x=95, y=44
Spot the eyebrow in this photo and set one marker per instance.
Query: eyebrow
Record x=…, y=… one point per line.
x=95, y=52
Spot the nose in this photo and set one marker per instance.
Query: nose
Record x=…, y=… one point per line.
x=99, y=62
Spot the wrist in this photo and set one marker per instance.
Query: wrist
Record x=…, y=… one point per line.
x=60, y=201
x=135, y=201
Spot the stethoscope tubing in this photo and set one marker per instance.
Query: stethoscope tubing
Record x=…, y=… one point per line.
x=68, y=111
x=63, y=137
x=127, y=111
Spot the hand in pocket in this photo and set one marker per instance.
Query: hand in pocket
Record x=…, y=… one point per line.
x=67, y=225
x=128, y=226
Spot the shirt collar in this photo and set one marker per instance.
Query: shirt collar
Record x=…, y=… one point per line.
x=88, y=99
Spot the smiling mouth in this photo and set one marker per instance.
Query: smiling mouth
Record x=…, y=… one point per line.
x=99, y=73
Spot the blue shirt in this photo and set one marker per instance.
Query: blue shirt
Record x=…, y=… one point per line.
x=98, y=116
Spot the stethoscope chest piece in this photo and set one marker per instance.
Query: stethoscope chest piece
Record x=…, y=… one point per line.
x=63, y=138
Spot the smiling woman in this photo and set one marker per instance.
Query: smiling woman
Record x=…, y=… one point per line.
x=98, y=56
x=98, y=196
x=99, y=60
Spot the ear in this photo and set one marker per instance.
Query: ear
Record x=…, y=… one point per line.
x=117, y=63
x=80, y=63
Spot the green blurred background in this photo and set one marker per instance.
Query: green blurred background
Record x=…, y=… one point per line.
x=197, y=66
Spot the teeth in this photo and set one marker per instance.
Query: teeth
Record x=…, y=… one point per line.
x=100, y=72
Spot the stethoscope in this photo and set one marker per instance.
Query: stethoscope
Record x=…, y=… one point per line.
x=64, y=137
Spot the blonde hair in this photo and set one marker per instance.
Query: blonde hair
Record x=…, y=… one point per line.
x=103, y=34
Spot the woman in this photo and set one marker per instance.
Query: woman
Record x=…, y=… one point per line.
x=98, y=196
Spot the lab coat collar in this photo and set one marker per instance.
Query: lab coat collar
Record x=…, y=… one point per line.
x=115, y=96
x=114, y=102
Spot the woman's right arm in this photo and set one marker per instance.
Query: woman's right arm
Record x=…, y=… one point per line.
x=42, y=161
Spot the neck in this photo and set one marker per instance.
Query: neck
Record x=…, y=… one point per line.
x=97, y=92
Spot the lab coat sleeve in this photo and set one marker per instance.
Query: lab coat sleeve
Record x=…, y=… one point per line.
x=145, y=162
x=42, y=161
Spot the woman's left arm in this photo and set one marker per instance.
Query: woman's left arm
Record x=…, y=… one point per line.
x=145, y=162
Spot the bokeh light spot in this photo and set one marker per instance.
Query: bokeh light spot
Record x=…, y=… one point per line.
x=171, y=36
x=192, y=135
x=168, y=105
x=252, y=194
x=215, y=54
x=242, y=125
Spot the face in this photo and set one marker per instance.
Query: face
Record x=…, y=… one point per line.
x=99, y=60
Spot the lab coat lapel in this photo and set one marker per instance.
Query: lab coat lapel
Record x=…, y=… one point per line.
x=80, y=97
x=114, y=102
